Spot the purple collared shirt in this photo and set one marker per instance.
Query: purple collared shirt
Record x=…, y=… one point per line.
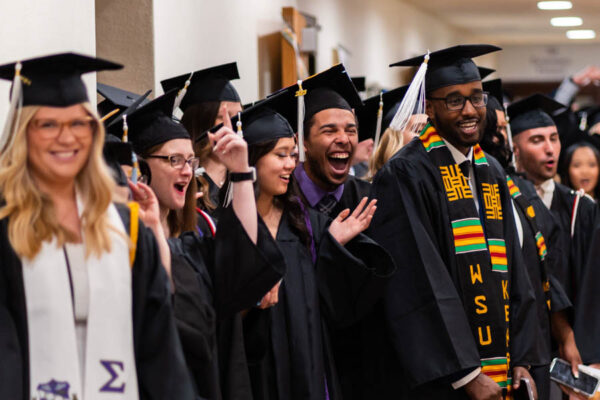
x=310, y=190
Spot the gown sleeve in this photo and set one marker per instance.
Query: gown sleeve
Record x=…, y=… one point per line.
x=161, y=368
x=429, y=329
x=243, y=271
x=350, y=278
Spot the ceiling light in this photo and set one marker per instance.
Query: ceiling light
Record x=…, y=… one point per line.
x=566, y=21
x=554, y=5
x=581, y=34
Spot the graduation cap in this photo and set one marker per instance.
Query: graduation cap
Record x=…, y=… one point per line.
x=359, y=83
x=368, y=114
x=210, y=84
x=115, y=99
x=55, y=80
x=269, y=119
x=113, y=120
x=152, y=124
x=485, y=72
x=117, y=153
x=450, y=66
x=332, y=88
x=532, y=112
x=494, y=88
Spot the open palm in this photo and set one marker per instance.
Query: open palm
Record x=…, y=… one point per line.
x=346, y=226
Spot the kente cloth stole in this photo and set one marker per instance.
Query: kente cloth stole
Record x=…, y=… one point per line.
x=528, y=210
x=480, y=254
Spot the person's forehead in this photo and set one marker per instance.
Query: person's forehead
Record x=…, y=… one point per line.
x=178, y=146
x=541, y=131
x=463, y=88
x=75, y=110
x=336, y=116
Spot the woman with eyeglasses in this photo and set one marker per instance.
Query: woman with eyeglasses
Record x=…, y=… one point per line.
x=84, y=307
x=214, y=279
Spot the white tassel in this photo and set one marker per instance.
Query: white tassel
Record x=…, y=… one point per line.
x=238, y=125
x=379, y=121
x=228, y=195
x=14, y=110
x=510, y=139
x=578, y=195
x=125, y=137
x=135, y=171
x=414, y=100
x=300, y=95
x=182, y=93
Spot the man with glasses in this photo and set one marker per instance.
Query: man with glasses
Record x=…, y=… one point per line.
x=445, y=215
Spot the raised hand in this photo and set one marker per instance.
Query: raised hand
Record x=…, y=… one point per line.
x=271, y=298
x=346, y=226
x=229, y=148
x=145, y=197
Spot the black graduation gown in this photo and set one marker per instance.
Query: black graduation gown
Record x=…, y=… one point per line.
x=354, y=190
x=579, y=277
x=214, y=280
x=430, y=342
x=558, y=298
x=288, y=345
x=160, y=363
x=213, y=192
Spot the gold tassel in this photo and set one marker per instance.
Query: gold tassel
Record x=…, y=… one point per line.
x=182, y=93
x=300, y=95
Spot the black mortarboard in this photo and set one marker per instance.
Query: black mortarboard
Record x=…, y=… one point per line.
x=532, y=112
x=485, y=72
x=332, y=88
x=117, y=153
x=55, y=80
x=450, y=66
x=359, y=83
x=115, y=98
x=367, y=115
x=268, y=119
x=114, y=122
x=494, y=88
x=152, y=124
x=210, y=84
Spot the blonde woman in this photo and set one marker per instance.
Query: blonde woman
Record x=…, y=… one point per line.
x=84, y=300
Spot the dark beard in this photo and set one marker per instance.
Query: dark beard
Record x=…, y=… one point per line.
x=450, y=132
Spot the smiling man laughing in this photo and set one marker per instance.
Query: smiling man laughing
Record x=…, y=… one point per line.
x=331, y=136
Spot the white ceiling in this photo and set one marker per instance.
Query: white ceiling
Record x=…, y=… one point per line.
x=511, y=21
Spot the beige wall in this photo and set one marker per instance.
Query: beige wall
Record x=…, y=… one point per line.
x=193, y=34
x=124, y=34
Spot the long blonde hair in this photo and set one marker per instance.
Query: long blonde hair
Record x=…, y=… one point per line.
x=391, y=141
x=31, y=214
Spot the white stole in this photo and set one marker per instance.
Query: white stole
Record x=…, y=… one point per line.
x=54, y=372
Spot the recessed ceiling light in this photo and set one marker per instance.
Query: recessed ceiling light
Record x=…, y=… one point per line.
x=554, y=5
x=581, y=34
x=566, y=21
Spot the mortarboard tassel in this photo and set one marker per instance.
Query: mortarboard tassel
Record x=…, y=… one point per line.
x=125, y=129
x=578, y=195
x=379, y=120
x=510, y=138
x=182, y=93
x=300, y=95
x=14, y=110
x=229, y=192
x=110, y=114
x=238, y=125
x=135, y=171
x=414, y=100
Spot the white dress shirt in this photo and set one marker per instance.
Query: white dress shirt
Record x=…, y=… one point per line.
x=546, y=191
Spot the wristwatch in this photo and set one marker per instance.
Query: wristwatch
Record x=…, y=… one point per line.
x=243, y=176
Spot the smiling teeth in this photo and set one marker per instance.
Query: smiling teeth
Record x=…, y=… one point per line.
x=339, y=156
x=65, y=154
x=285, y=176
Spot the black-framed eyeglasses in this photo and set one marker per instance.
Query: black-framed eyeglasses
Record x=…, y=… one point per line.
x=178, y=161
x=456, y=102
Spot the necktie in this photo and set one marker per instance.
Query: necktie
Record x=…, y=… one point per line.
x=326, y=204
x=465, y=168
